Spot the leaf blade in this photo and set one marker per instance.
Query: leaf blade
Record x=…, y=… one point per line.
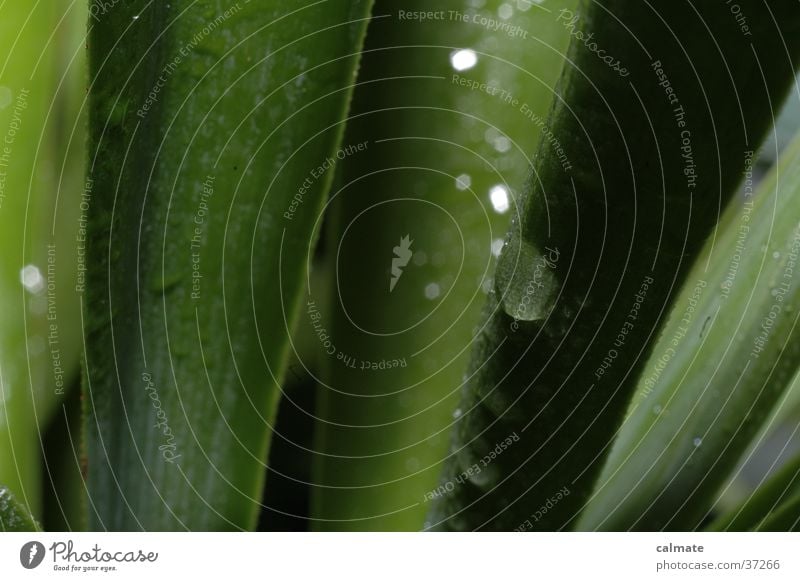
x=188, y=329
x=726, y=374
x=558, y=356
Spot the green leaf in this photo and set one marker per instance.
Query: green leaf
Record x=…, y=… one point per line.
x=207, y=126
x=656, y=139
x=725, y=356
x=38, y=339
x=786, y=517
x=14, y=517
x=437, y=144
x=768, y=501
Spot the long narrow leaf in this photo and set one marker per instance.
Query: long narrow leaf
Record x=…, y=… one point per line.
x=449, y=114
x=769, y=498
x=658, y=106
x=31, y=365
x=729, y=350
x=209, y=122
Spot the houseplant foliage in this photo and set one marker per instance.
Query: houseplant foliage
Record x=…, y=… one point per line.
x=41, y=87
x=692, y=417
x=489, y=265
x=438, y=147
x=203, y=124
x=599, y=251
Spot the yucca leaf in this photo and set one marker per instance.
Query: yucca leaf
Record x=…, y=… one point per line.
x=786, y=517
x=432, y=194
x=34, y=314
x=14, y=517
x=725, y=356
x=767, y=500
x=208, y=124
x=656, y=137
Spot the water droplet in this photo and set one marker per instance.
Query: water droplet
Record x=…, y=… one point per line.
x=526, y=280
x=6, y=96
x=31, y=278
x=657, y=409
x=463, y=182
x=497, y=246
x=498, y=195
x=136, y=17
x=776, y=255
x=502, y=144
x=457, y=413
x=485, y=478
x=464, y=59
x=432, y=291
x=697, y=442
x=420, y=259
x=505, y=11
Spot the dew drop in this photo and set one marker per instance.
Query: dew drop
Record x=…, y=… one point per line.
x=457, y=413
x=502, y=144
x=464, y=59
x=526, y=279
x=697, y=442
x=463, y=182
x=31, y=278
x=432, y=291
x=498, y=195
x=497, y=246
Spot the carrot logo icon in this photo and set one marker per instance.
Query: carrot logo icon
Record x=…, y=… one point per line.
x=402, y=254
x=32, y=554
